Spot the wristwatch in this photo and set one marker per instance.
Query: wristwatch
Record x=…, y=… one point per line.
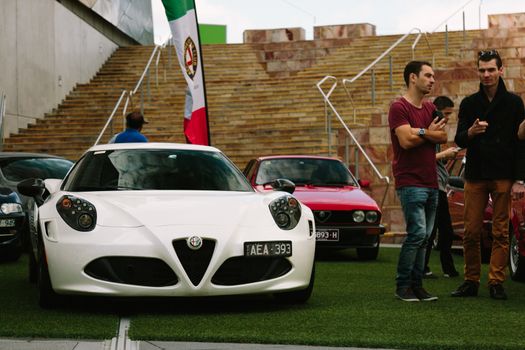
x=421, y=132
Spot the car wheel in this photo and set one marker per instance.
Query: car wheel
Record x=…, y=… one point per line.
x=516, y=260
x=33, y=267
x=47, y=298
x=368, y=253
x=297, y=296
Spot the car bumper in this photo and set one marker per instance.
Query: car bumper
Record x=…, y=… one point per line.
x=142, y=262
x=352, y=237
x=11, y=236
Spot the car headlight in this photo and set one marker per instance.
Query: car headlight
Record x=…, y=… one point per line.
x=371, y=216
x=286, y=212
x=10, y=208
x=358, y=216
x=77, y=213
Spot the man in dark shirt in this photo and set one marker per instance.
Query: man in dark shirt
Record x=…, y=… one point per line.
x=488, y=123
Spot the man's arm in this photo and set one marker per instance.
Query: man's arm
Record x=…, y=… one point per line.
x=409, y=137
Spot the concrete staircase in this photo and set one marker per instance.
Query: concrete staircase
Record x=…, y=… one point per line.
x=258, y=102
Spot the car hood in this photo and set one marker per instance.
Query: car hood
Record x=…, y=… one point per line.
x=162, y=208
x=335, y=198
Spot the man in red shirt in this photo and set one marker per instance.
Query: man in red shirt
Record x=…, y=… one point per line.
x=415, y=132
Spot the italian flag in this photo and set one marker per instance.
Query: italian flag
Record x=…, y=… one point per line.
x=182, y=18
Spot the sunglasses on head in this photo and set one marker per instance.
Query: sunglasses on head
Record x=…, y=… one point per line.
x=488, y=53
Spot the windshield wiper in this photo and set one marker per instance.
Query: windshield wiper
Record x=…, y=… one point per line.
x=104, y=188
x=327, y=184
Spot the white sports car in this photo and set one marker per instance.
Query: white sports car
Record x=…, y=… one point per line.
x=160, y=219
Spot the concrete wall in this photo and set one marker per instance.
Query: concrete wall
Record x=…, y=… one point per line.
x=45, y=50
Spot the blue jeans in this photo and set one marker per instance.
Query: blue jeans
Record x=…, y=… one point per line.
x=419, y=209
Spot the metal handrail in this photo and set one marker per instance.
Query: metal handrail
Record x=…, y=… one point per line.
x=380, y=57
x=110, y=119
x=453, y=14
x=129, y=94
x=326, y=97
x=387, y=51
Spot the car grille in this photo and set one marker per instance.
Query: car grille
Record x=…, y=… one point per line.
x=194, y=262
x=243, y=270
x=335, y=217
x=151, y=272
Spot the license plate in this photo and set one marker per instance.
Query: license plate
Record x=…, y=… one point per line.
x=327, y=234
x=7, y=222
x=273, y=248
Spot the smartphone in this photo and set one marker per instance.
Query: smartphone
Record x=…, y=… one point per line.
x=437, y=114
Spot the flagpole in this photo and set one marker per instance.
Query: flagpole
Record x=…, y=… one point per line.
x=203, y=78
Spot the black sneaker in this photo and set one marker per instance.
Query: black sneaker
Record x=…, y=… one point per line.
x=497, y=292
x=467, y=289
x=406, y=294
x=423, y=295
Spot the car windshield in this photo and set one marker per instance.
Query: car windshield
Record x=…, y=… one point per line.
x=155, y=169
x=18, y=169
x=305, y=171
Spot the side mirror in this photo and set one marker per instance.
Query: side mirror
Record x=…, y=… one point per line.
x=456, y=181
x=32, y=188
x=283, y=185
x=364, y=183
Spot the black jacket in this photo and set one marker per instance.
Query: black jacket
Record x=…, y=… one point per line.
x=496, y=154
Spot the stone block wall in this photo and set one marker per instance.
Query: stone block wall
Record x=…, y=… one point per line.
x=280, y=35
x=344, y=31
x=285, y=50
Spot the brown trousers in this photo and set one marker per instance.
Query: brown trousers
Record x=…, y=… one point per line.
x=476, y=198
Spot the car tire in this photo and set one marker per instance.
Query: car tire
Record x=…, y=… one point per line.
x=47, y=298
x=33, y=268
x=368, y=253
x=516, y=260
x=297, y=296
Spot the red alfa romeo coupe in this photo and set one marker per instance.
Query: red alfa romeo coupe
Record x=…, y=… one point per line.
x=345, y=216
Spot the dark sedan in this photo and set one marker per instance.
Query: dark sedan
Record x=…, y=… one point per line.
x=15, y=167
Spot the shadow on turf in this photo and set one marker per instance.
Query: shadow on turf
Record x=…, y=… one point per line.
x=176, y=305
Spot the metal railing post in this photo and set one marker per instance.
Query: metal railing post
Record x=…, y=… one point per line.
x=464, y=31
x=373, y=87
x=148, y=80
x=328, y=130
x=356, y=160
x=446, y=39
x=347, y=151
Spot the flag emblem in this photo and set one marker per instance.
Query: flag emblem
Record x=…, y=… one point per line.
x=191, y=58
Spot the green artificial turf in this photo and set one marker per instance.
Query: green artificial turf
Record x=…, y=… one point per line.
x=353, y=304
x=21, y=317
